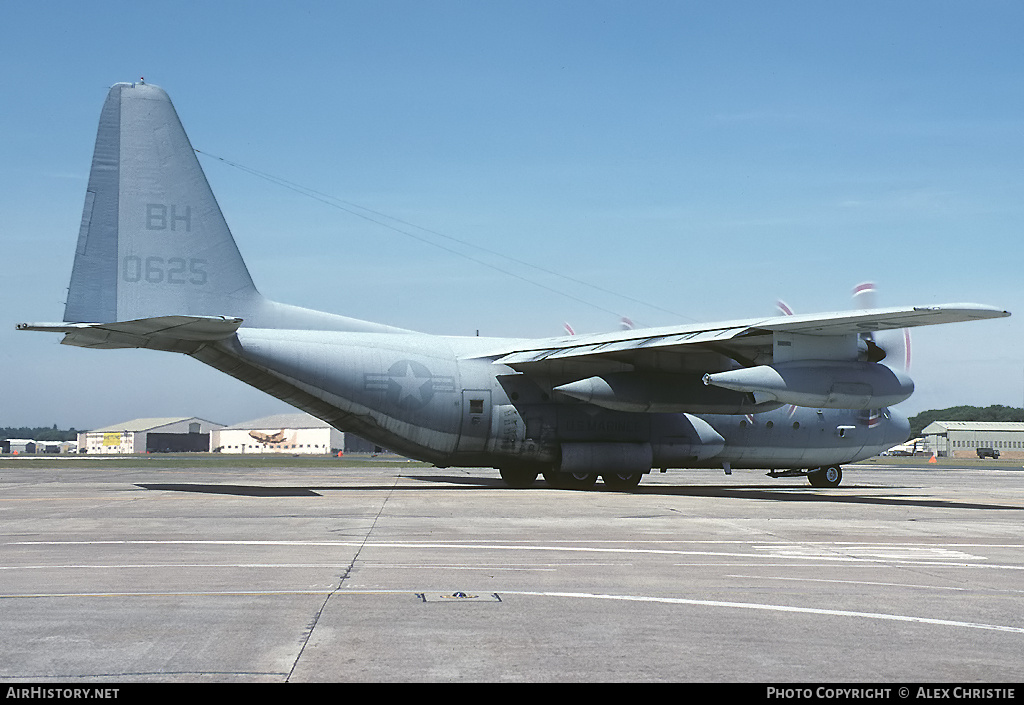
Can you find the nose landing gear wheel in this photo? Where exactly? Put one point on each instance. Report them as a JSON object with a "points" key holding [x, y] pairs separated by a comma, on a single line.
{"points": [[622, 482], [826, 477]]}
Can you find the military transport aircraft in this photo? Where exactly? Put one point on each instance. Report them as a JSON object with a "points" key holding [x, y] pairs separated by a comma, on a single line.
{"points": [[156, 267]]}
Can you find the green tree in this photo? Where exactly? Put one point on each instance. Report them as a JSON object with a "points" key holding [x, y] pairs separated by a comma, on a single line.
{"points": [[996, 412]]}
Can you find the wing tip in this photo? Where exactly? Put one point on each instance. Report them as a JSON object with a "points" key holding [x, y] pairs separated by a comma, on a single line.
{"points": [[974, 310]]}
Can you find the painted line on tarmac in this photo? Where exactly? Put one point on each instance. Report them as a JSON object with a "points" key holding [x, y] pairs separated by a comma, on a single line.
{"points": [[526, 543], [778, 552], [550, 567], [198, 593], [575, 595], [776, 608], [107, 566], [876, 584]]}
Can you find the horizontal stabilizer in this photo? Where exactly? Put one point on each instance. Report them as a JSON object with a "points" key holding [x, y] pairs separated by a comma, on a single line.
{"points": [[170, 333]]}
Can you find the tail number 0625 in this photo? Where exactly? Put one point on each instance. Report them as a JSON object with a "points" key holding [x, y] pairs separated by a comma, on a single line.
{"points": [[157, 270]]}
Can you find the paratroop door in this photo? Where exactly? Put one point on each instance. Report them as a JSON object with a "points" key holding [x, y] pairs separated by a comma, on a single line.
{"points": [[476, 420]]}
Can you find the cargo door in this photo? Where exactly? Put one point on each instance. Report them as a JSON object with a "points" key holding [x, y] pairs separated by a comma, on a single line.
{"points": [[476, 420]]}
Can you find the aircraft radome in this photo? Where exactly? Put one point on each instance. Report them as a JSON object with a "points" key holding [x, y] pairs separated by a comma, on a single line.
{"points": [[156, 267]]}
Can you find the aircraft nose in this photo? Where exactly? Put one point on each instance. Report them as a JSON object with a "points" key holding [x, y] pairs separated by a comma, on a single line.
{"points": [[898, 429]]}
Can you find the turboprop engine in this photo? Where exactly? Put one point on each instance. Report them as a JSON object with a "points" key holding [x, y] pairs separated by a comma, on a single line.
{"points": [[826, 384]]}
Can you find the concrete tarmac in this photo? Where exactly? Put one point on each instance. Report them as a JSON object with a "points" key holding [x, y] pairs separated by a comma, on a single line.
{"points": [[176, 569]]}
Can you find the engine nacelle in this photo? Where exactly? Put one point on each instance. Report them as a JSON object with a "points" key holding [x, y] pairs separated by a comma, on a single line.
{"points": [[826, 384]]}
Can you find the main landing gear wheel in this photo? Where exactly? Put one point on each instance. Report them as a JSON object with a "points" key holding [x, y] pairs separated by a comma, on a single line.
{"points": [[571, 480], [622, 482], [518, 478], [826, 477]]}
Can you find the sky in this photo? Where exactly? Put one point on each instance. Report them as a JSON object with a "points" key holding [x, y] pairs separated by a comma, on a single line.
{"points": [[509, 167]]}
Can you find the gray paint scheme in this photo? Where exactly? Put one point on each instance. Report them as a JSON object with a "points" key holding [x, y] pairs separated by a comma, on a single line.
{"points": [[157, 267]]}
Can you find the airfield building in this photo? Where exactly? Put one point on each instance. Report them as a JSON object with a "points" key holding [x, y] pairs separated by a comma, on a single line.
{"points": [[287, 433], [23, 446], [154, 435], [19, 446], [963, 439], [296, 433]]}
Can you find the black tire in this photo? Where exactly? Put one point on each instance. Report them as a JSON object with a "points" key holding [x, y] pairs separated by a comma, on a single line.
{"points": [[829, 476], [571, 480], [518, 478], [622, 482]]}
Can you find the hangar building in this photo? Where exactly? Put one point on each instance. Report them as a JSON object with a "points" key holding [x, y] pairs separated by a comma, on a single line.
{"points": [[157, 435], [961, 439], [20, 446], [17, 446], [281, 433]]}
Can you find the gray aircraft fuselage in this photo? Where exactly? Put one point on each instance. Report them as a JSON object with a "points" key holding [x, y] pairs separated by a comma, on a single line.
{"points": [[443, 400]]}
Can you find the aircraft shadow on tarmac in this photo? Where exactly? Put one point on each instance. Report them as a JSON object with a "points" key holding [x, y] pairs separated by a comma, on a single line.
{"points": [[462, 482], [754, 492], [237, 490]]}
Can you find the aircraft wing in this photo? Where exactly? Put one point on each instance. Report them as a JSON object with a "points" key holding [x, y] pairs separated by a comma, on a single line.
{"points": [[171, 333], [748, 341]]}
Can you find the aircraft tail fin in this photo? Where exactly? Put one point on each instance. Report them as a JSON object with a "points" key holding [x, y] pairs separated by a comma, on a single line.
{"points": [[153, 240]]}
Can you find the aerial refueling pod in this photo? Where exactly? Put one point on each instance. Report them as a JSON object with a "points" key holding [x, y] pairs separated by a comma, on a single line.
{"points": [[826, 384], [660, 392]]}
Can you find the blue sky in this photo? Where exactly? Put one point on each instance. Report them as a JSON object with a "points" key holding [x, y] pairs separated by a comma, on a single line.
{"points": [[703, 158]]}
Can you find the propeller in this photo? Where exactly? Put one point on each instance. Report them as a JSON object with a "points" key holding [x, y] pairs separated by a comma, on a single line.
{"points": [[624, 324], [893, 346]]}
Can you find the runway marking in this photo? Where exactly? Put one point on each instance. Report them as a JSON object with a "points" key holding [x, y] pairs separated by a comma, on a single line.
{"points": [[214, 593], [329, 566], [776, 608], [858, 582], [867, 582], [576, 595], [796, 551], [877, 551], [200, 593], [527, 542], [549, 567], [169, 565]]}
